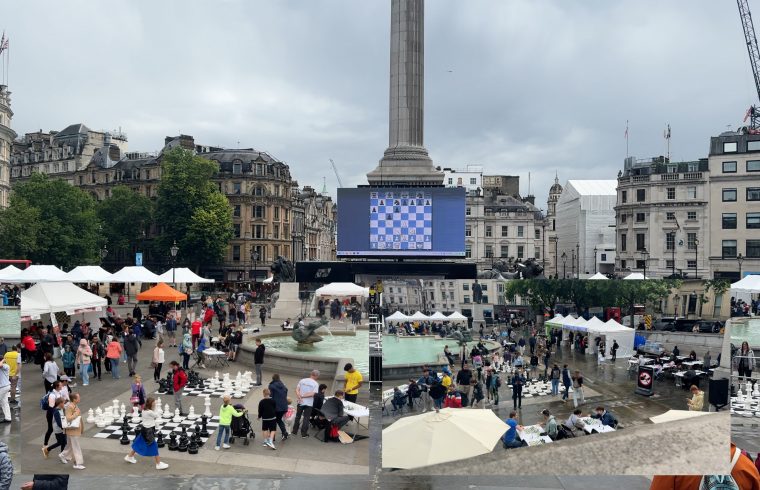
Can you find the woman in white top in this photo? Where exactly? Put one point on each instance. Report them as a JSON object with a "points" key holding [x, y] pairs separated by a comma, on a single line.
{"points": [[49, 372], [145, 443], [158, 360]]}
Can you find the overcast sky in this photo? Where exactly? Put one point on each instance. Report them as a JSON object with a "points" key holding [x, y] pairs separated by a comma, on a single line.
{"points": [[515, 86]]}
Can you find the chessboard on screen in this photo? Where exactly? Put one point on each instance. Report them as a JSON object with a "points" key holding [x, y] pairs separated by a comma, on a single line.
{"points": [[401, 220]]}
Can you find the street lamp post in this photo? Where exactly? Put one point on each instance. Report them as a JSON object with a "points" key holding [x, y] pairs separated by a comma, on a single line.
{"points": [[564, 265], [595, 251], [740, 259], [254, 259], [572, 263], [578, 258], [103, 253], [645, 253], [173, 250]]}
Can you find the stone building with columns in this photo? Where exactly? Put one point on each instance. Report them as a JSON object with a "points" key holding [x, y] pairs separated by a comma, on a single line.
{"points": [[7, 135]]}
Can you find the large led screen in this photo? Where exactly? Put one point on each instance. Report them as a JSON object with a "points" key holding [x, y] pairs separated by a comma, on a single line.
{"points": [[412, 221]]}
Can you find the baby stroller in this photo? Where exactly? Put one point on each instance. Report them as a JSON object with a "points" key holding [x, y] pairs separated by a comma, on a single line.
{"points": [[241, 427]]}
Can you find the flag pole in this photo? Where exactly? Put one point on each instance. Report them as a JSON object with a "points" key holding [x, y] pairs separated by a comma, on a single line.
{"points": [[626, 138]]}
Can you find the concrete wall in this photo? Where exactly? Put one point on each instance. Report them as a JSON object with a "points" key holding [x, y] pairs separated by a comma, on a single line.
{"points": [[699, 342]]}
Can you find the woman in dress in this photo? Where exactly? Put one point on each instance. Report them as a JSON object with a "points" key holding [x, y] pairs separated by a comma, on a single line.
{"points": [[145, 443]]}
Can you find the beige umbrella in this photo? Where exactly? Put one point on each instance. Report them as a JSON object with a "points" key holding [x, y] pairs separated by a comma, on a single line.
{"points": [[449, 435]]}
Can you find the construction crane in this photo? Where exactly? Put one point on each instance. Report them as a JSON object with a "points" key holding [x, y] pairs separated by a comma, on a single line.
{"points": [[335, 169], [753, 113]]}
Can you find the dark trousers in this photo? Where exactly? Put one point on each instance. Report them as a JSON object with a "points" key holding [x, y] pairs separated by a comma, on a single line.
{"points": [[60, 441], [157, 371], [69, 371], [185, 361], [49, 418], [743, 372], [517, 398], [351, 398], [97, 368], [48, 385], [305, 411], [567, 392], [340, 421], [281, 423]]}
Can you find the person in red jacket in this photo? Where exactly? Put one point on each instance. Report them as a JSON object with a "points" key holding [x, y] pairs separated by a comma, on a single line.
{"points": [[179, 380], [195, 330], [208, 317]]}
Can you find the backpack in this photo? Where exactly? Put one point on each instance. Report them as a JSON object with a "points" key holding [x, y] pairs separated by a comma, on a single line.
{"points": [[722, 482], [45, 401]]}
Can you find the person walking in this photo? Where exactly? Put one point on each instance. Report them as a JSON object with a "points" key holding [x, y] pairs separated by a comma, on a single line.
{"points": [[555, 376], [60, 435], [145, 443], [567, 382], [263, 315], [267, 414], [131, 347], [74, 429], [171, 330], [84, 358], [98, 353], [258, 360], [305, 391], [578, 389], [49, 371], [226, 412], [186, 348], [280, 396], [113, 356], [5, 388], [614, 350], [11, 358], [52, 395], [158, 360], [518, 380], [179, 381]]}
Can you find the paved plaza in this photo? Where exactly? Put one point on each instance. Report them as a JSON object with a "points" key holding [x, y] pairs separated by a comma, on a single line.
{"points": [[105, 456]]}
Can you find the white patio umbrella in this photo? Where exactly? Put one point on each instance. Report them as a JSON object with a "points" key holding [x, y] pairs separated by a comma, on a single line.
{"points": [[432, 438], [673, 415], [39, 273], [89, 273]]}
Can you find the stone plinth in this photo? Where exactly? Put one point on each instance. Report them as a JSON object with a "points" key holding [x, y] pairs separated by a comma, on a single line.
{"points": [[288, 304]]}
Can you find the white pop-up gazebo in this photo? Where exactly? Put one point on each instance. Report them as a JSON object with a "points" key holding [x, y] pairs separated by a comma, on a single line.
{"points": [[624, 336], [342, 290], [183, 275], [135, 273], [598, 277], [38, 273], [53, 297], [89, 274], [748, 284], [419, 316], [396, 317], [8, 272], [635, 276], [456, 317], [438, 316], [575, 324]]}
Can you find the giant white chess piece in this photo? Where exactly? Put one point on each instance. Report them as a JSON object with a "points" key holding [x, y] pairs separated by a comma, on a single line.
{"points": [[191, 414], [136, 414], [91, 416], [167, 412], [100, 419], [177, 418], [207, 403]]}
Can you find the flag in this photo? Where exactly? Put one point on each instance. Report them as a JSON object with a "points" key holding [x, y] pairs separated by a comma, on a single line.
{"points": [[3, 43], [666, 133]]}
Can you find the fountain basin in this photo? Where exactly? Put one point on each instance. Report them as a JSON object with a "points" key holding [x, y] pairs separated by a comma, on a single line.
{"points": [[404, 357]]}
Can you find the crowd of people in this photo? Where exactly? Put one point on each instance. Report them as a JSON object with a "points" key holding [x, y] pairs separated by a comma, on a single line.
{"points": [[739, 307]]}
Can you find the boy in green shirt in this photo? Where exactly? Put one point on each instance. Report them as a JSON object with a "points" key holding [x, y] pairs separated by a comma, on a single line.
{"points": [[226, 412]]}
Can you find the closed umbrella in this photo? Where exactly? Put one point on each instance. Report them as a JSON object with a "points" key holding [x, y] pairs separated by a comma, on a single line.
{"points": [[439, 437]]}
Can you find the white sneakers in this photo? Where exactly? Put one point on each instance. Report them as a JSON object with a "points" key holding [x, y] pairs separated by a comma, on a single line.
{"points": [[63, 459], [226, 446], [162, 466], [130, 459], [216, 448], [79, 466]]}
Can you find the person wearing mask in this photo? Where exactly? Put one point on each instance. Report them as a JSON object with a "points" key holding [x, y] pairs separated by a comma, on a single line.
{"points": [[73, 432], [113, 356], [145, 443]]}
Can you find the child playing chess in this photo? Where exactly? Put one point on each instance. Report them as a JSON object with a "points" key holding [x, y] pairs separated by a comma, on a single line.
{"points": [[268, 416], [226, 412]]}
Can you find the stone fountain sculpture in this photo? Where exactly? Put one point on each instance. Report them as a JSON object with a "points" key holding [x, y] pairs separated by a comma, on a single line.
{"points": [[305, 334]]}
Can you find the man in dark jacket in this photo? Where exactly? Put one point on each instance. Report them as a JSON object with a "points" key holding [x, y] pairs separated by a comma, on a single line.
{"points": [[463, 380], [518, 380], [130, 349], [47, 482], [280, 396], [333, 410], [137, 313], [258, 360]]}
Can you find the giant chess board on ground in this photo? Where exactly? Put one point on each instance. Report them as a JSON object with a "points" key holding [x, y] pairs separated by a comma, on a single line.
{"points": [[217, 387], [401, 220], [166, 428]]}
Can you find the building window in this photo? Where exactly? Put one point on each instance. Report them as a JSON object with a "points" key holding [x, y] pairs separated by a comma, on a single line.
{"points": [[520, 231], [753, 145], [236, 228], [277, 213], [237, 168], [691, 264], [691, 241], [468, 230], [467, 211], [489, 233], [753, 249], [537, 253], [504, 251], [538, 233], [670, 264], [641, 217], [468, 251], [729, 221], [753, 221], [753, 193], [236, 187], [465, 286], [473, 181], [624, 218], [520, 251], [451, 181], [729, 195], [640, 245], [670, 216], [489, 251], [259, 231], [623, 264], [671, 191], [729, 147], [466, 298], [258, 191], [729, 167], [729, 249], [753, 165], [236, 253], [691, 215], [276, 233], [505, 231], [641, 195], [236, 211], [258, 212], [691, 192], [670, 240], [640, 264], [623, 242], [624, 196]]}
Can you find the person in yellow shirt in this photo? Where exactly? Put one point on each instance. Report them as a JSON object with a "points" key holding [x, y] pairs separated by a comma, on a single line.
{"points": [[354, 381], [446, 381], [11, 359]]}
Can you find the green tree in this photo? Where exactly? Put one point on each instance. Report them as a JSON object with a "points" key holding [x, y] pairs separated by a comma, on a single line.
{"points": [[67, 233], [125, 216], [191, 210], [20, 229]]}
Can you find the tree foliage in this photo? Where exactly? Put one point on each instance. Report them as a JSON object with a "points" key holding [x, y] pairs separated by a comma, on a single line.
{"points": [[125, 216], [56, 221], [191, 210]]}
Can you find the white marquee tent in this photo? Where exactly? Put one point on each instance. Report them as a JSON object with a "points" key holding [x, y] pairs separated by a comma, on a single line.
{"points": [[39, 273], [598, 277], [438, 316], [183, 275], [396, 317], [9, 271], [555, 322], [135, 274], [748, 284], [624, 336], [89, 273], [576, 324], [418, 315], [57, 297], [342, 289], [457, 317], [634, 276]]}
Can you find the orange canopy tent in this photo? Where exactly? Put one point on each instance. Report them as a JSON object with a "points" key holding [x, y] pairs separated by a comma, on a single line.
{"points": [[161, 292]]}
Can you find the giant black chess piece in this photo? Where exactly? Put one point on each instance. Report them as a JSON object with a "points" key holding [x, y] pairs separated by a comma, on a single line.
{"points": [[204, 429], [192, 448], [172, 442], [169, 383], [197, 435], [124, 431], [182, 441], [160, 439]]}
